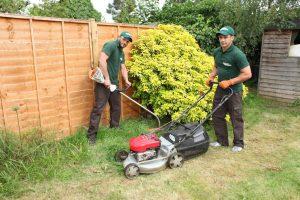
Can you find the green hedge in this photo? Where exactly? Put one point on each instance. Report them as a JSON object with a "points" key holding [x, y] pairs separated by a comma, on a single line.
{"points": [[169, 69]]}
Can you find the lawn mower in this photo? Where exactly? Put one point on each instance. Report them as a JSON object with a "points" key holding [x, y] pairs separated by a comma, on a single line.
{"points": [[178, 142]]}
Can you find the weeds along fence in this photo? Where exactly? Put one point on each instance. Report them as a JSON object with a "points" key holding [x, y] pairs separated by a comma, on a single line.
{"points": [[44, 64]]}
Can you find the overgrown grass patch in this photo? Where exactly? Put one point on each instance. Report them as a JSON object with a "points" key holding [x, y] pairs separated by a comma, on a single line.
{"points": [[36, 159]]}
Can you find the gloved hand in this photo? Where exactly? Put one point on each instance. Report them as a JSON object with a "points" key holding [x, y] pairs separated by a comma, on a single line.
{"points": [[226, 84], [209, 81], [91, 73]]}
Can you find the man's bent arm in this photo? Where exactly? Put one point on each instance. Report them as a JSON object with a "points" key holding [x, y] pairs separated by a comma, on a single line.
{"points": [[103, 65], [124, 72], [244, 75], [213, 73]]}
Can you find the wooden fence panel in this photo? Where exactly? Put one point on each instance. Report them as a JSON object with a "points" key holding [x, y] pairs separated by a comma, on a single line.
{"points": [[2, 117], [18, 86], [50, 74], [77, 61], [44, 64]]}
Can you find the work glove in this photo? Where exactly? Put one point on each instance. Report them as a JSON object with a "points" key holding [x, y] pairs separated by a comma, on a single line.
{"points": [[226, 84], [209, 81], [91, 73]]}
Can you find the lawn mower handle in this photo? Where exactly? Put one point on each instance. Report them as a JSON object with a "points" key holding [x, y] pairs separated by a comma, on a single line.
{"points": [[123, 89], [122, 92], [223, 100]]}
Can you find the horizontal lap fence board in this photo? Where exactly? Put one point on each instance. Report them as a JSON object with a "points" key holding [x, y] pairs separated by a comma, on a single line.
{"points": [[44, 64]]}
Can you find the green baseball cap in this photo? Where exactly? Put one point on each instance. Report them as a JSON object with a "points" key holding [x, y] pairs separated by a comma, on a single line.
{"points": [[126, 35], [226, 30]]}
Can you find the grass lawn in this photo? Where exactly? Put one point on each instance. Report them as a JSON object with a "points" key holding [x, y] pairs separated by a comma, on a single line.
{"points": [[268, 168]]}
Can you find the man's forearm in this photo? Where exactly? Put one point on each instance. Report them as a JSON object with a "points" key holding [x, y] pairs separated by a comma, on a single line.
{"points": [[244, 75], [213, 73], [240, 79], [103, 67], [124, 73]]}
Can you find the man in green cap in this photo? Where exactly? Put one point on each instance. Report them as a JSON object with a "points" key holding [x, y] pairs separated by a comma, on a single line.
{"points": [[111, 61], [232, 68]]}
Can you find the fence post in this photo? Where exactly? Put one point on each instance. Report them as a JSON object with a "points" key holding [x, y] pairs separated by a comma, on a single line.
{"points": [[94, 41], [3, 111], [66, 74], [35, 71]]}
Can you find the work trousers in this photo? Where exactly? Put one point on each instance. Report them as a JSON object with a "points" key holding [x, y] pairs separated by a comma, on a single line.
{"points": [[102, 96], [233, 106]]}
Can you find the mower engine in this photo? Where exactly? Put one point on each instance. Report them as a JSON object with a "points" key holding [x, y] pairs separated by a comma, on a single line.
{"points": [[144, 146], [147, 155]]}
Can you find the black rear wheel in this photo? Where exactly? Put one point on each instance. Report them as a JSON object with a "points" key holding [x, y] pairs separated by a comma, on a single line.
{"points": [[121, 155]]}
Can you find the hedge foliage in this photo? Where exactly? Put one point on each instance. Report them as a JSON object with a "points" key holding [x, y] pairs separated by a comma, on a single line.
{"points": [[200, 18], [169, 69]]}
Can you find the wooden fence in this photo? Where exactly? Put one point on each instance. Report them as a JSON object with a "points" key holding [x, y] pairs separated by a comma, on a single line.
{"points": [[44, 64]]}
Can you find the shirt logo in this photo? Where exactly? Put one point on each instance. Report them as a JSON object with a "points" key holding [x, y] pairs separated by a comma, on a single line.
{"points": [[227, 64]]}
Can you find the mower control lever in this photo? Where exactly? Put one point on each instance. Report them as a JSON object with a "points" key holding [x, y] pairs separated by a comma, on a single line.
{"points": [[124, 89], [211, 83]]}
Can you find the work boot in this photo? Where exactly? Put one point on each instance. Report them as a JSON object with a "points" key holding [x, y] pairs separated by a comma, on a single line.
{"points": [[236, 149], [92, 140], [215, 144]]}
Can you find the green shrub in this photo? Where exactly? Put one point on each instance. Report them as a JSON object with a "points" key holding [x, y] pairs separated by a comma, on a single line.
{"points": [[169, 69]]}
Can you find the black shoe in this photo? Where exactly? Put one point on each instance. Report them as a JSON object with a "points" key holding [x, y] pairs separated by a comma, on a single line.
{"points": [[92, 141]]}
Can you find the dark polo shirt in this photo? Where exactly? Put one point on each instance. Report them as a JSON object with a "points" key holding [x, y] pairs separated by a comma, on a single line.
{"points": [[229, 64], [115, 58]]}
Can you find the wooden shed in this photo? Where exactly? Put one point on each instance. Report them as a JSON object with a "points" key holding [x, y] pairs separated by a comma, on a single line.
{"points": [[279, 72]]}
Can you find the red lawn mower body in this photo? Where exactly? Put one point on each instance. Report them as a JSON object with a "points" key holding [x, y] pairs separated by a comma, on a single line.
{"points": [[144, 142]]}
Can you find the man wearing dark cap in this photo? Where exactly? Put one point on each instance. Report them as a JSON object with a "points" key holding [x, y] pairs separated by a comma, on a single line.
{"points": [[232, 68], [111, 61]]}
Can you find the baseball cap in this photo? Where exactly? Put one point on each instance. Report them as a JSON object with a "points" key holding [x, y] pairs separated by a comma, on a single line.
{"points": [[126, 35], [226, 30]]}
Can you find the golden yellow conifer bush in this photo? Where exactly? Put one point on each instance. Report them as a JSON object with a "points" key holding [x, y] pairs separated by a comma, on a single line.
{"points": [[168, 70]]}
